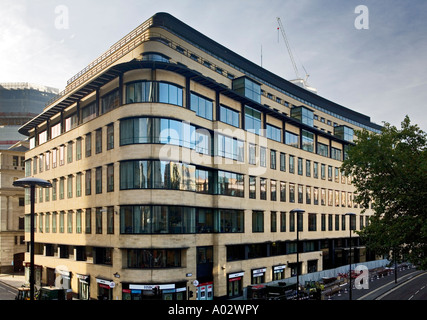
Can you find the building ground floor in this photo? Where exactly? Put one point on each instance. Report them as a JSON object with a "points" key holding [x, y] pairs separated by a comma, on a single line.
{"points": [[201, 273]]}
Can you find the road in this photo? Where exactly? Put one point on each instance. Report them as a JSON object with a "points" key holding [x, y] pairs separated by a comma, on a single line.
{"points": [[7, 292], [379, 287], [412, 289]]}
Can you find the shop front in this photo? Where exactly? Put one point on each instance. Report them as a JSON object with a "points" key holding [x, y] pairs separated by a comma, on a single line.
{"points": [[235, 284], [105, 288], [204, 291], [170, 291], [83, 286]]}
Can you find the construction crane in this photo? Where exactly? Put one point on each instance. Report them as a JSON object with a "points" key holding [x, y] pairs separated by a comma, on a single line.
{"points": [[298, 81]]}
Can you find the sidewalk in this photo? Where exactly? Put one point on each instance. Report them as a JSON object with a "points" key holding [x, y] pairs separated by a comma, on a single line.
{"points": [[13, 280]]}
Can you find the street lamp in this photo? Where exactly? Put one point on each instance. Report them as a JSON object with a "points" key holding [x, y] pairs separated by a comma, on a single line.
{"points": [[350, 214], [297, 211], [32, 183]]}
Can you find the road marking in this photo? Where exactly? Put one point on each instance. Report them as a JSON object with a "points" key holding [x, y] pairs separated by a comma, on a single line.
{"points": [[410, 297]]}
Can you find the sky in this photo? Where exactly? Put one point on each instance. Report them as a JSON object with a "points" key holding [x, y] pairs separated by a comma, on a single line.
{"points": [[367, 55]]}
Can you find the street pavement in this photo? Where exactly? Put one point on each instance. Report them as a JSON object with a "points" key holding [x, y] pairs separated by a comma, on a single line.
{"points": [[9, 284]]}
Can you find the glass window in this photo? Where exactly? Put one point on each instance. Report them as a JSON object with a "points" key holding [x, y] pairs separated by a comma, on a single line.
{"points": [[98, 141], [202, 106], [282, 161], [150, 91], [247, 88], [110, 101], [89, 112], [252, 120], [252, 187], [257, 221], [303, 114], [291, 139], [322, 149], [307, 141], [229, 147], [98, 180], [230, 184], [274, 133], [229, 116], [263, 188], [110, 136]]}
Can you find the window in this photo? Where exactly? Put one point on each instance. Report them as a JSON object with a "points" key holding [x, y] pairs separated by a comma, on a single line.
{"points": [[307, 141], [229, 116], [202, 106], [274, 133], [168, 131], [300, 193], [282, 221], [307, 168], [61, 155], [291, 192], [230, 184], [273, 159], [70, 186], [248, 88], [308, 195], [263, 156], [70, 221], [153, 258], [88, 182], [151, 91], [110, 101], [54, 158], [110, 177], [70, 152], [273, 190], [146, 174], [282, 191], [88, 145], [55, 130], [204, 181], [78, 148], [312, 222], [89, 112], [263, 188], [300, 166], [252, 154], [88, 221], [71, 122], [282, 161], [110, 136], [230, 148], [162, 219], [98, 221], [303, 114], [252, 187], [257, 221], [98, 180], [61, 188], [336, 154], [322, 149], [344, 132], [291, 139], [273, 221], [98, 141], [79, 221], [252, 120], [110, 220]]}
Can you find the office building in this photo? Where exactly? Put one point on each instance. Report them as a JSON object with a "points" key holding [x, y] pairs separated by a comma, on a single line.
{"points": [[175, 164]]}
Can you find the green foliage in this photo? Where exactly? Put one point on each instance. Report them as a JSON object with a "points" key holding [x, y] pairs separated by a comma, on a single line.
{"points": [[390, 169]]}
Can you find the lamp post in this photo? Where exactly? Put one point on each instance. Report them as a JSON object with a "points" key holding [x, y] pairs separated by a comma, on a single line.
{"points": [[350, 214], [297, 211], [32, 183]]}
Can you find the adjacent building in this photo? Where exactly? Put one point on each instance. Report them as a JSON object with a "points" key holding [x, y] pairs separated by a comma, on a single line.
{"points": [[175, 164], [12, 244]]}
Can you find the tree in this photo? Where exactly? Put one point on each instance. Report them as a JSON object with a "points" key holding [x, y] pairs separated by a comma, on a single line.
{"points": [[389, 170]]}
